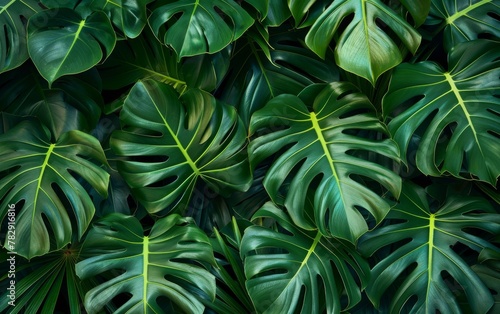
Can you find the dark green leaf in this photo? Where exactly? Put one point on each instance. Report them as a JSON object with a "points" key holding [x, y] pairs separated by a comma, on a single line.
{"points": [[65, 43], [40, 175], [191, 137], [166, 263], [457, 111]]}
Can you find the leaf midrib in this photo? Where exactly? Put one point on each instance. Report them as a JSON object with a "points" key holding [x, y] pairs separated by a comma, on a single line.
{"points": [[45, 164], [459, 14]]}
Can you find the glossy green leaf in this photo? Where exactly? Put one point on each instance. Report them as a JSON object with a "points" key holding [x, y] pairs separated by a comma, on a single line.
{"points": [[13, 17], [319, 146], [65, 43], [285, 269], [73, 102], [465, 20], [422, 262], [363, 48], [166, 263], [263, 73], [419, 9], [277, 13], [44, 176], [457, 111], [176, 141], [129, 16], [193, 27]]}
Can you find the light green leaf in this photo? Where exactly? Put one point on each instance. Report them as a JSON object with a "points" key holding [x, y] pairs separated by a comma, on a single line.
{"points": [[65, 43], [420, 265], [194, 27], [285, 269], [166, 263], [456, 110], [363, 48], [320, 146], [465, 20], [13, 45], [44, 175], [175, 141]]}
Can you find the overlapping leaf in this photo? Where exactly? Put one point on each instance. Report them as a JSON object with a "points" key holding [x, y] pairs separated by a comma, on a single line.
{"points": [[73, 102], [166, 263], [465, 20], [297, 270], [66, 43], [13, 17], [263, 73], [424, 261], [176, 141], [363, 48], [129, 16], [41, 176], [456, 109], [318, 147], [194, 27]]}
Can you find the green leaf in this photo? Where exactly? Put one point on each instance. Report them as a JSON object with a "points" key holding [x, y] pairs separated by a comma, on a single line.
{"points": [[263, 73], [44, 176], [456, 110], [138, 59], [419, 9], [73, 102], [285, 269], [319, 146], [65, 43], [129, 16], [194, 27], [13, 46], [163, 264], [176, 141], [464, 20], [363, 48], [278, 13], [427, 253]]}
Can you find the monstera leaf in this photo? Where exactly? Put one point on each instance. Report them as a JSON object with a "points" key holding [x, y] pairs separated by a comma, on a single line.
{"points": [[66, 43], [73, 102], [299, 270], [41, 176], [129, 16], [464, 20], [13, 17], [162, 264], [427, 257], [363, 48], [194, 27], [318, 146], [177, 140], [458, 108]]}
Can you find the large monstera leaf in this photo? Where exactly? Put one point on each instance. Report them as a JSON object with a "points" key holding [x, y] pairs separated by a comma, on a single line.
{"points": [[319, 146], [166, 263], [363, 48], [299, 270], [13, 45], [177, 140], [65, 43], [194, 27], [458, 107], [427, 258], [465, 20], [42, 176]]}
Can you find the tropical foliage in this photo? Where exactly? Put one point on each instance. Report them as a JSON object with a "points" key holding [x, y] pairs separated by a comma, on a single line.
{"points": [[256, 156]]}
